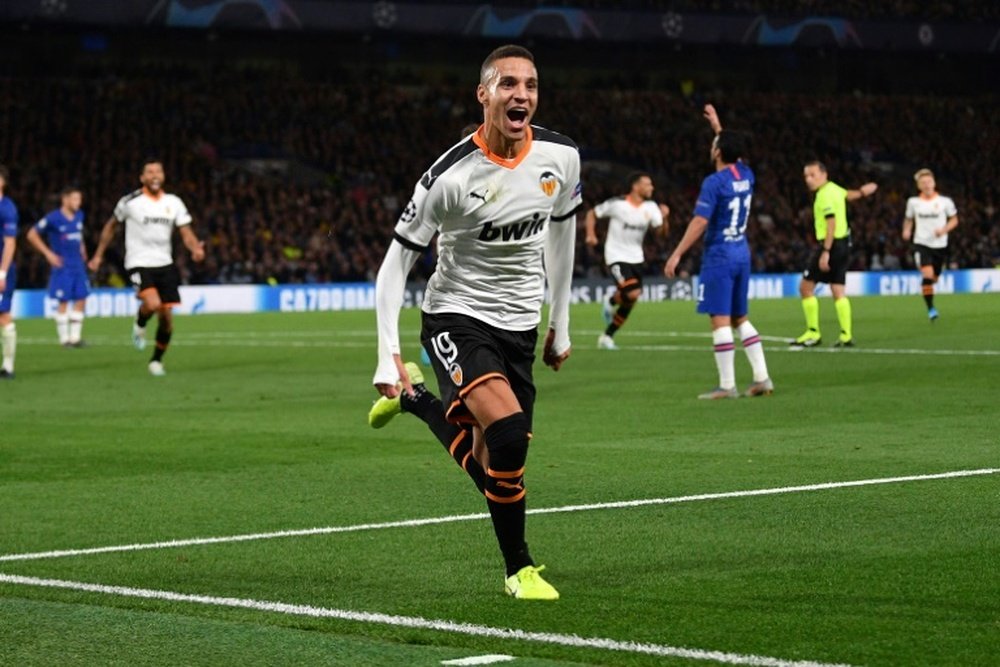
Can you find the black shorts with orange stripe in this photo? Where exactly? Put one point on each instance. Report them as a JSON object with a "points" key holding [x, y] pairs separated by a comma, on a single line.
{"points": [[627, 276], [165, 280], [466, 352]]}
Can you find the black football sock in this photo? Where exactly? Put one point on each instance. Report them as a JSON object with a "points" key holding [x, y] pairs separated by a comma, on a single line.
{"points": [[456, 440], [507, 441], [142, 318], [927, 286], [619, 319], [162, 342]]}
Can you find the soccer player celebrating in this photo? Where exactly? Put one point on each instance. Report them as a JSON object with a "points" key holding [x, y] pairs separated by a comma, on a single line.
{"points": [[721, 215], [500, 199], [67, 254], [629, 218], [8, 278], [150, 215], [829, 262], [935, 217]]}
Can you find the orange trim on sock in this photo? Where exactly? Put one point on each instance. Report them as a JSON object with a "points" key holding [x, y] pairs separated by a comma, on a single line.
{"points": [[502, 474], [465, 459], [503, 500]]}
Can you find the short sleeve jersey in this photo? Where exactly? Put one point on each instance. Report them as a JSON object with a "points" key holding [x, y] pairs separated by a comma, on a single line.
{"points": [[149, 225], [8, 220], [724, 201], [928, 215], [627, 225], [831, 199], [63, 236], [491, 214]]}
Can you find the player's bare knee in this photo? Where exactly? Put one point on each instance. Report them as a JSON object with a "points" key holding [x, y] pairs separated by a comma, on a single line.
{"points": [[507, 442], [631, 297]]}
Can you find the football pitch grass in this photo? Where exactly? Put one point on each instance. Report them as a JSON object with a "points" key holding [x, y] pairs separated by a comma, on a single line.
{"points": [[259, 432]]}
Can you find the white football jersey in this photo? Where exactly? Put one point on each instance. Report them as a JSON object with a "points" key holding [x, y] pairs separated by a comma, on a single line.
{"points": [[149, 227], [492, 214], [627, 227], [928, 215]]}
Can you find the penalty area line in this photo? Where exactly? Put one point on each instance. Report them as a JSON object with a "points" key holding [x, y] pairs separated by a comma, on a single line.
{"points": [[420, 623], [412, 523]]}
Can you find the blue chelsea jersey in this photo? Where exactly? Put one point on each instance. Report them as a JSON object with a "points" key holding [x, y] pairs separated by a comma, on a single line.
{"points": [[8, 219], [63, 236], [724, 201]]}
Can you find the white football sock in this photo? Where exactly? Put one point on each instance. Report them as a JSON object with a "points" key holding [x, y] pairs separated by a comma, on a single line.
{"points": [[725, 353], [754, 348], [8, 338], [62, 327], [75, 326]]}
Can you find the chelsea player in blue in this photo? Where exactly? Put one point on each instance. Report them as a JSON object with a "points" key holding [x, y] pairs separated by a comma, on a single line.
{"points": [[8, 277], [59, 238], [721, 215]]}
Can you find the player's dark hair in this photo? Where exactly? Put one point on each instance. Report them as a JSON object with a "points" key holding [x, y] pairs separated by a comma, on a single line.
{"points": [[634, 178], [817, 163], [505, 51], [70, 189], [151, 159], [4, 173], [732, 145]]}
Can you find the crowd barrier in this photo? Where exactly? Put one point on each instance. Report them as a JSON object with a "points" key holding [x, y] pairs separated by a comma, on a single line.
{"points": [[197, 299]]}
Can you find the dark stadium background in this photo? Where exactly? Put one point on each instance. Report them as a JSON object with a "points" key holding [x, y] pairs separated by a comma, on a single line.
{"points": [[295, 130]]}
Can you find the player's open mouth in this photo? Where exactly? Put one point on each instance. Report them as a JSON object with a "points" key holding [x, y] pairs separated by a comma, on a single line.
{"points": [[517, 116]]}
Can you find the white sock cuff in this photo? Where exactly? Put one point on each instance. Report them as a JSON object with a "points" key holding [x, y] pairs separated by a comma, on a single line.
{"points": [[61, 317], [76, 316], [10, 328], [722, 335], [747, 330]]}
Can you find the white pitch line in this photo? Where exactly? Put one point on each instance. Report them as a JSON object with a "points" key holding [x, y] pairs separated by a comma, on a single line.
{"points": [[334, 344], [418, 622], [335, 340], [822, 350], [490, 659], [411, 523]]}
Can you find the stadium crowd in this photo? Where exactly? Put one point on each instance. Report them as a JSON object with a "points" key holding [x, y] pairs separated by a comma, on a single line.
{"points": [[296, 181]]}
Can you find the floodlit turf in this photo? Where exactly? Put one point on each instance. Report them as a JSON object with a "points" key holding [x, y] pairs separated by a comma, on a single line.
{"points": [[260, 425]]}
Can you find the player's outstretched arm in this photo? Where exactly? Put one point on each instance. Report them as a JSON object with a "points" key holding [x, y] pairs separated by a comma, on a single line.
{"points": [[191, 242], [713, 118], [389, 287], [107, 236], [866, 190], [36, 241]]}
